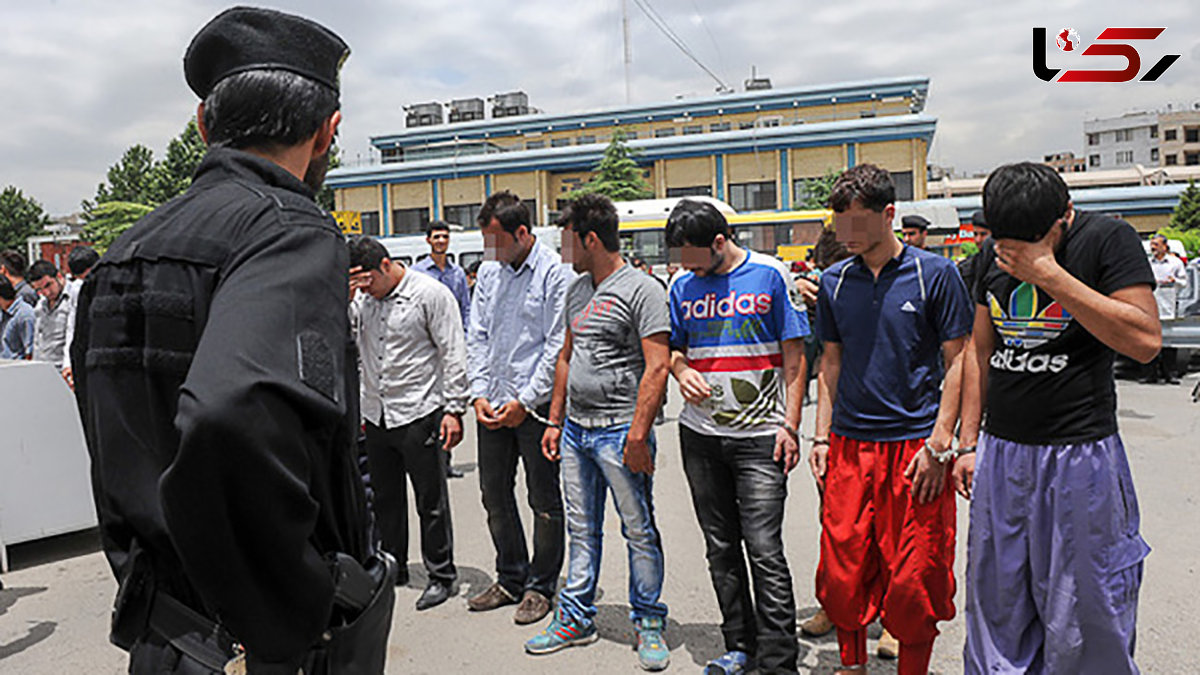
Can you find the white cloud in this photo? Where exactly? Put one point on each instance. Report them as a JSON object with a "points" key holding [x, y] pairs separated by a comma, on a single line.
{"points": [[86, 79]]}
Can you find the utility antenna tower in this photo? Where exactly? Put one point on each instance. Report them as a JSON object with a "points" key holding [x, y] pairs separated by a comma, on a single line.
{"points": [[628, 47]]}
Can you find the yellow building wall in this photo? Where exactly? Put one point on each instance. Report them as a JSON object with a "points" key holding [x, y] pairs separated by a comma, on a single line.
{"points": [[890, 155], [689, 172], [814, 162], [357, 199], [1149, 224], [411, 195], [456, 191], [751, 167], [524, 185]]}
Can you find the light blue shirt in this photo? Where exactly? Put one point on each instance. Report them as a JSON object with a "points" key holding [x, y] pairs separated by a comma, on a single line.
{"points": [[516, 328], [454, 278], [16, 330]]}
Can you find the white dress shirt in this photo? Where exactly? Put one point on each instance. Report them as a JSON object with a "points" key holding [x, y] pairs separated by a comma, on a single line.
{"points": [[411, 351]]}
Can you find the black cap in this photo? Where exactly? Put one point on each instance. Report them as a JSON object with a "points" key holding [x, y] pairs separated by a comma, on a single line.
{"points": [[977, 219], [250, 38], [919, 222]]}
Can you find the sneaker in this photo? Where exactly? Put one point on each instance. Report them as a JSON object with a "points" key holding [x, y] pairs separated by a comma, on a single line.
{"points": [[533, 608], [889, 646], [730, 663], [562, 632], [495, 596], [817, 624], [651, 647]]}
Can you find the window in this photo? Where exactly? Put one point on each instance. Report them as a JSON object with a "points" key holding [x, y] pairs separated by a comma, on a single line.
{"points": [[1123, 135], [1124, 157], [866, 114], [723, 126], [1170, 160], [530, 204], [1093, 160], [693, 129], [1153, 154], [904, 185], [1191, 158], [559, 142], [535, 145], [409, 221], [1154, 131], [370, 223], [1169, 134], [801, 191], [585, 139], [693, 191], [631, 135], [745, 125], [1093, 139], [462, 214], [664, 133], [752, 196], [1191, 135]]}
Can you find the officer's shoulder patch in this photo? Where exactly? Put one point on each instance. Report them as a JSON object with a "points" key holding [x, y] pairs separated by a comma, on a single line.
{"points": [[315, 359]]}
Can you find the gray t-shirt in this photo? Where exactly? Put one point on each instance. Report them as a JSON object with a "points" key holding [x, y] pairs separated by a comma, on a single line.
{"points": [[607, 326]]}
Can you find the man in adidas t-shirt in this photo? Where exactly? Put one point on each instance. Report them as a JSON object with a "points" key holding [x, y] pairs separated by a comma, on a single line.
{"points": [[1054, 556], [893, 318], [737, 350]]}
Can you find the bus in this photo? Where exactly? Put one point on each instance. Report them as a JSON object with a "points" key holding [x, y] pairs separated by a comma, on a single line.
{"points": [[787, 235]]}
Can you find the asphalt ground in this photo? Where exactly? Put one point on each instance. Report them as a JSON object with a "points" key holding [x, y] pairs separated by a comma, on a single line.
{"points": [[55, 605]]}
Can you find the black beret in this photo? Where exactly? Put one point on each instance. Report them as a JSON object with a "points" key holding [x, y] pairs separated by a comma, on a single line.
{"points": [[919, 222], [977, 219], [250, 38]]}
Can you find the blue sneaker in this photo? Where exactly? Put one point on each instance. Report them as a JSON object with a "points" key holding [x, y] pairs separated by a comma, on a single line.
{"points": [[562, 632], [651, 647], [730, 663]]}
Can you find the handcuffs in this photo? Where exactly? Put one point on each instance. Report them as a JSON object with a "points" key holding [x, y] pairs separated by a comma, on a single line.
{"points": [[943, 457], [949, 454]]}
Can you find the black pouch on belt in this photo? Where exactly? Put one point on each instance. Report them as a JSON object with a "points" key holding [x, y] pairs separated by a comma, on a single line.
{"points": [[356, 642]]}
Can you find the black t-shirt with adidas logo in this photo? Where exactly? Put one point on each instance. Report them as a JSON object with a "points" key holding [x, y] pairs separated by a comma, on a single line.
{"points": [[1051, 381]]}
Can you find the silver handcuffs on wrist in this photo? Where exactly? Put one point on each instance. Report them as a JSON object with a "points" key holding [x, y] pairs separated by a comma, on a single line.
{"points": [[949, 453]]}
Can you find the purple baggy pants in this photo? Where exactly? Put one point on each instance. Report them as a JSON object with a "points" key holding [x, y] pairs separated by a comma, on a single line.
{"points": [[1054, 559]]}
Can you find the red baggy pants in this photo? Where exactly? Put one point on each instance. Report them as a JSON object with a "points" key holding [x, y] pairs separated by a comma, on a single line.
{"points": [[882, 552]]}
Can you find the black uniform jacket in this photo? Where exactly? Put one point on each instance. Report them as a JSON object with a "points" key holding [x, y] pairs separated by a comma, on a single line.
{"points": [[211, 353]]}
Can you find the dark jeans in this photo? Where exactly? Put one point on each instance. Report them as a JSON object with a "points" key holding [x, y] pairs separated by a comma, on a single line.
{"points": [[738, 491], [1165, 365], [413, 450], [499, 451]]}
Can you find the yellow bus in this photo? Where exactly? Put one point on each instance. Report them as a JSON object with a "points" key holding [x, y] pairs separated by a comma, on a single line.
{"points": [[788, 235]]}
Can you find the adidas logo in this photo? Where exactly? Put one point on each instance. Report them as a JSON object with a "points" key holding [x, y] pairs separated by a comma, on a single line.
{"points": [[907, 307]]}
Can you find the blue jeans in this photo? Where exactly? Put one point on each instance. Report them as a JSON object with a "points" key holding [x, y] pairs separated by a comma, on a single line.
{"points": [[593, 464]]}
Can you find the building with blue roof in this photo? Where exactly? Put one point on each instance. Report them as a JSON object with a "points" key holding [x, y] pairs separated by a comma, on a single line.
{"points": [[753, 149]]}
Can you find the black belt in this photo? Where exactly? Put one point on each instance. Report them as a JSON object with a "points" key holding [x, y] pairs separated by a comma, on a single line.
{"points": [[192, 633]]}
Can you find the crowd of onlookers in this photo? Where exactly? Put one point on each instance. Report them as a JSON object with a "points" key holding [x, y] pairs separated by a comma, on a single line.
{"points": [[37, 307]]}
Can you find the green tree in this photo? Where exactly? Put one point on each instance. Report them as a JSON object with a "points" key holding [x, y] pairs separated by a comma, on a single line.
{"points": [[21, 217], [1189, 238], [173, 174], [325, 196], [617, 175], [1187, 212], [105, 222], [816, 191], [131, 179]]}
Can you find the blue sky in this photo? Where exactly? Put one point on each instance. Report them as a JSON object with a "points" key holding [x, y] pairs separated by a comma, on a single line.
{"points": [[85, 79]]}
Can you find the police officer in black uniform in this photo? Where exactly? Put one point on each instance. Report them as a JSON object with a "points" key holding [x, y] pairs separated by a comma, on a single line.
{"points": [[216, 382]]}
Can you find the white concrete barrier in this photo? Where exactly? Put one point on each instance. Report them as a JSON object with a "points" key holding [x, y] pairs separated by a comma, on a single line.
{"points": [[45, 486]]}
